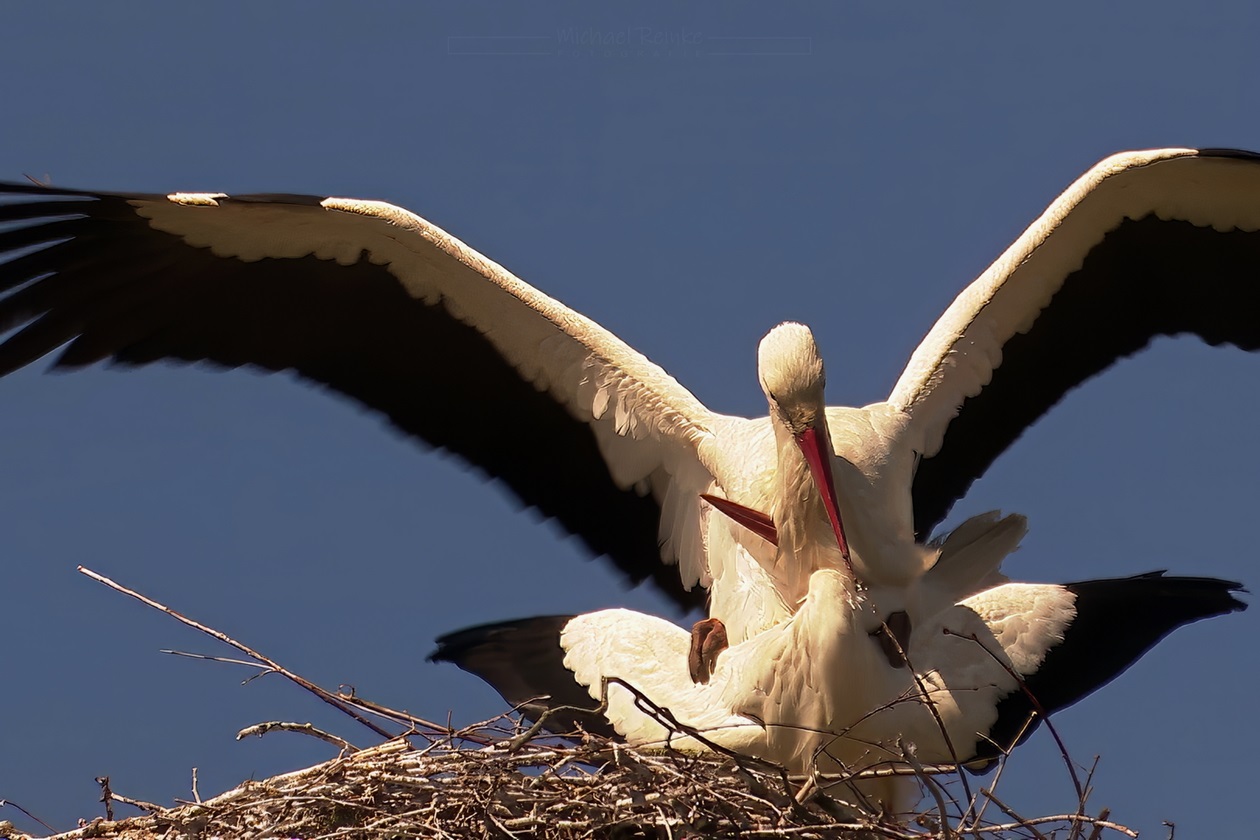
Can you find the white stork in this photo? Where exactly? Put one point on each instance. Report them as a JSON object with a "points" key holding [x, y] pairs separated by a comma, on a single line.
{"points": [[378, 304], [815, 692]]}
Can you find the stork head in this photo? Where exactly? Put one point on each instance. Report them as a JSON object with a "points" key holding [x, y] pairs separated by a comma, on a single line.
{"points": [[792, 376]]}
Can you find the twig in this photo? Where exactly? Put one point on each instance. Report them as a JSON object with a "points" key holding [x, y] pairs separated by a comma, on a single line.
{"points": [[207, 657], [1020, 821], [395, 715], [907, 752], [1078, 827], [138, 804], [106, 797], [1029, 824], [931, 704], [403, 717], [1096, 834], [807, 790], [997, 777], [12, 804], [228, 640], [261, 729], [537, 726]]}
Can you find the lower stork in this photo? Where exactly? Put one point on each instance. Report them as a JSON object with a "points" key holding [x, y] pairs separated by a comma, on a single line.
{"points": [[815, 691]]}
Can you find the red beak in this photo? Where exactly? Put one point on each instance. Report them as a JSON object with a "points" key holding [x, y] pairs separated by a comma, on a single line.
{"points": [[821, 470], [753, 520]]}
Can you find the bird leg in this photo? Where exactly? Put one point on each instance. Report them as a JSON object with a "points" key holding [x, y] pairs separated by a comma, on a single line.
{"points": [[708, 639], [754, 520], [893, 637]]}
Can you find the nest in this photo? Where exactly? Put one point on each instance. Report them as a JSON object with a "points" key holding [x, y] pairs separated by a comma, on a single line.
{"points": [[520, 785], [503, 778]]}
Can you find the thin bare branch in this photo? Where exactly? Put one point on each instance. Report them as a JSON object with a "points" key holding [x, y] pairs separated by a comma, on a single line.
{"points": [[907, 752], [10, 803], [228, 640], [1019, 821], [107, 797], [931, 704]]}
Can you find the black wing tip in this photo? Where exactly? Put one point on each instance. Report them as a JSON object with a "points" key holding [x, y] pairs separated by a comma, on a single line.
{"points": [[1212, 596], [34, 188], [1223, 152], [37, 189], [455, 647], [299, 199]]}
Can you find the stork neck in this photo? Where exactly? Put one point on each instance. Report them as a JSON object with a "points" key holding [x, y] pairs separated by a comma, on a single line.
{"points": [[798, 510], [834, 624]]}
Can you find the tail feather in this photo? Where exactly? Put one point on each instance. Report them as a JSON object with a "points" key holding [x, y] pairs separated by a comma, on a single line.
{"points": [[971, 555]]}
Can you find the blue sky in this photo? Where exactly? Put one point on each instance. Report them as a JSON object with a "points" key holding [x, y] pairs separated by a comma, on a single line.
{"points": [[704, 172]]}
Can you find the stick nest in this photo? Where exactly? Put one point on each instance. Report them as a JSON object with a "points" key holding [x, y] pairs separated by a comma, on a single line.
{"points": [[499, 779], [540, 788]]}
